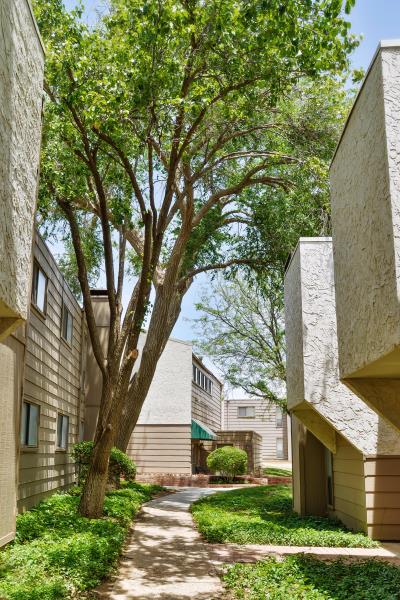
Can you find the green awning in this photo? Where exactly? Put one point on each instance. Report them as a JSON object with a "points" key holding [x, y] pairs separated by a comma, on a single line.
{"points": [[201, 431]]}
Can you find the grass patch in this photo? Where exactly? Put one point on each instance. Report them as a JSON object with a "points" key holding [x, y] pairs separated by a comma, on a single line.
{"points": [[264, 515], [301, 577], [57, 553], [277, 472]]}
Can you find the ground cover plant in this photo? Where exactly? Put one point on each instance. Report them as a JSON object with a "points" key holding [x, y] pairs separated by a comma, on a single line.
{"points": [[277, 472], [300, 577], [58, 554], [264, 515]]}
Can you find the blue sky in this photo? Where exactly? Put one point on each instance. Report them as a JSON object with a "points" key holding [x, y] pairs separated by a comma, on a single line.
{"points": [[376, 20]]}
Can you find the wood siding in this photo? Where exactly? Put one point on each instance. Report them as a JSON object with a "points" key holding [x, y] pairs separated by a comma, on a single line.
{"points": [[264, 424], [206, 407], [11, 366], [349, 486], [249, 441], [161, 449], [52, 379], [382, 487]]}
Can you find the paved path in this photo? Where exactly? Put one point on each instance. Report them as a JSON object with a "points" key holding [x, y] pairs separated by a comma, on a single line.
{"points": [[166, 558]]}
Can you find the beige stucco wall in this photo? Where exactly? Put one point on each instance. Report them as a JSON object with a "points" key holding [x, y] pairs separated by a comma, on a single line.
{"points": [[365, 194], [169, 398], [312, 358], [21, 81]]}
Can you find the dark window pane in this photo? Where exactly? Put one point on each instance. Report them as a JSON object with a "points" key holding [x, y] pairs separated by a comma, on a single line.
{"points": [[67, 325], [29, 424], [62, 431], [39, 288]]}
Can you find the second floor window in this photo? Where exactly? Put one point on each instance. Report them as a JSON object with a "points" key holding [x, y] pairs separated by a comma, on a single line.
{"points": [[202, 380], [29, 425], [39, 288], [246, 411], [62, 431], [66, 325], [279, 417]]}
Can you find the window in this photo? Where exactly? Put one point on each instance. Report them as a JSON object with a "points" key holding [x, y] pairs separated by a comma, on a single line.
{"points": [[81, 431], [39, 288], [279, 417], [279, 448], [29, 425], [202, 380], [66, 325], [248, 412], [62, 432], [329, 477]]}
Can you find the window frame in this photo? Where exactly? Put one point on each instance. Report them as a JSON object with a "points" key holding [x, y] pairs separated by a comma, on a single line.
{"points": [[24, 427], [329, 479], [278, 417], [65, 310], [60, 419], [246, 416], [201, 379], [277, 454], [37, 269]]}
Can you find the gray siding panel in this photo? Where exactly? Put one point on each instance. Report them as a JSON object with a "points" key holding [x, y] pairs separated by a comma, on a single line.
{"points": [[52, 379], [264, 423]]}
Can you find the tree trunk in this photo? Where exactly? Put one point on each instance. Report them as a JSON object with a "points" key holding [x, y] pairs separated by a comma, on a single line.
{"points": [[165, 314], [94, 491]]}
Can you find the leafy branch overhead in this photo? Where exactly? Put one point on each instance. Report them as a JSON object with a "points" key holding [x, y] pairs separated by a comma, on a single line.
{"points": [[159, 121]]}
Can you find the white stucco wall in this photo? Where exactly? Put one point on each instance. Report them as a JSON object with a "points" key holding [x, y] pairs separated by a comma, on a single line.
{"points": [[21, 79], [312, 353], [169, 398], [365, 193]]}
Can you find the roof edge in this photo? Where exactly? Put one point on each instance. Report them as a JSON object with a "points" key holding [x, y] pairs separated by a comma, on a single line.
{"points": [[395, 43], [304, 240], [28, 2]]}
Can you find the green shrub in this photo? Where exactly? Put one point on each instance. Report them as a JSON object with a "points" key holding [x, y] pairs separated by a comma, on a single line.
{"points": [[58, 554], [229, 461], [120, 464]]}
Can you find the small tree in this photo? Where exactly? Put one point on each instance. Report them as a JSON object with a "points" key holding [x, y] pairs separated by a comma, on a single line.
{"points": [[120, 465], [229, 461]]}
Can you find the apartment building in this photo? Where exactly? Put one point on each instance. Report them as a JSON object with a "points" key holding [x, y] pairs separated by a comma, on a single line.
{"points": [[182, 407], [41, 366], [337, 439], [254, 414], [21, 85], [343, 324]]}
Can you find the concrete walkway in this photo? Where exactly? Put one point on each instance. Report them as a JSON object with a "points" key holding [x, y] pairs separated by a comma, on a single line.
{"points": [[166, 558]]}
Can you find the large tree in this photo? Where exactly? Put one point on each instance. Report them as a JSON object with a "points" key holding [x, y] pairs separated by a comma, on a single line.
{"points": [[241, 326], [158, 119]]}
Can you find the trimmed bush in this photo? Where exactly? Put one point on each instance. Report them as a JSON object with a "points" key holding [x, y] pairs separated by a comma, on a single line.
{"points": [[120, 465], [229, 461]]}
